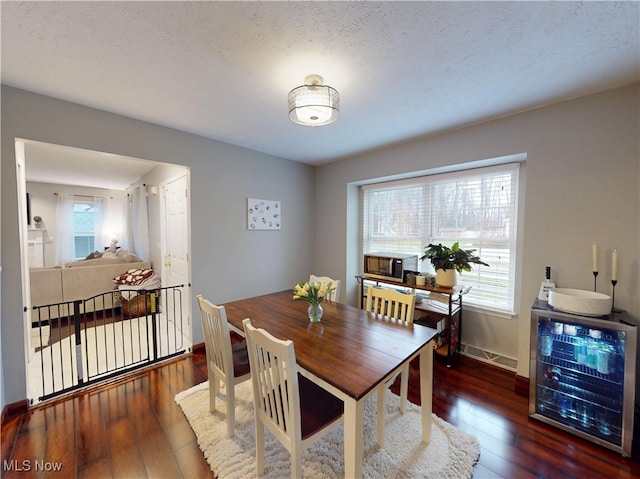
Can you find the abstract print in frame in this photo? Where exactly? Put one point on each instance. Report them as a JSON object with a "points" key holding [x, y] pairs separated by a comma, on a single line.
{"points": [[263, 214]]}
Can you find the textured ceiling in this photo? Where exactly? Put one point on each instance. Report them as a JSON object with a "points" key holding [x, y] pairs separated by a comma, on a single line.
{"points": [[403, 69]]}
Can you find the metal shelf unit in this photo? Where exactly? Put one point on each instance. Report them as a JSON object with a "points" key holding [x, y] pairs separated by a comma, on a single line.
{"points": [[439, 308]]}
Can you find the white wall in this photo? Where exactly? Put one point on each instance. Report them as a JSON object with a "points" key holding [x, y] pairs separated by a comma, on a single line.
{"points": [[581, 183], [228, 261]]}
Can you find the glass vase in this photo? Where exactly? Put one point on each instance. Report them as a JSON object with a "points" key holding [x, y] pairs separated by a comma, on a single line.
{"points": [[315, 313]]}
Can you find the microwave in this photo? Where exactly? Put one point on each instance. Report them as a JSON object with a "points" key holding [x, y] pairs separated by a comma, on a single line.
{"points": [[389, 266]]}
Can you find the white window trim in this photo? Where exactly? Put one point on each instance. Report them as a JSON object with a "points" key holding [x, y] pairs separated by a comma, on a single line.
{"points": [[463, 173]]}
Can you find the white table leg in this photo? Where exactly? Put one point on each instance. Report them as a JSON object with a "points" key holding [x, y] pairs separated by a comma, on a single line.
{"points": [[426, 389], [382, 391], [353, 438]]}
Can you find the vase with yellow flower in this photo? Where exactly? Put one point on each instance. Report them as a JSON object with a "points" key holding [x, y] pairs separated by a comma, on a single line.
{"points": [[313, 292]]}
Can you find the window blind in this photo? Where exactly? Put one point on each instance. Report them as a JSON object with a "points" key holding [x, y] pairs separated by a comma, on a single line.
{"points": [[476, 207]]}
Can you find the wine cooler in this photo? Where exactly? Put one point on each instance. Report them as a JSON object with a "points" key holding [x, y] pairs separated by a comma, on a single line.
{"points": [[582, 374]]}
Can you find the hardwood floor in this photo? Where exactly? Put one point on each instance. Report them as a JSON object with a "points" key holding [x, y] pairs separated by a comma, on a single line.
{"points": [[132, 428]]}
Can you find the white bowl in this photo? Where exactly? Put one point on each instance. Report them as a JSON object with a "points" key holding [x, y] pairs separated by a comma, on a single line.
{"points": [[578, 301]]}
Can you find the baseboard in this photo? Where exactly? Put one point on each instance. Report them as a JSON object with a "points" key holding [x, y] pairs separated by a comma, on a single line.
{"points": [[199, 348], [490, 357], [14, 409], [521, 386]]}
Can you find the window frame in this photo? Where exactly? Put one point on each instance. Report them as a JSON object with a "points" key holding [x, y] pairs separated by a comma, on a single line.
{"points": [[95, 203], [505, 268]]}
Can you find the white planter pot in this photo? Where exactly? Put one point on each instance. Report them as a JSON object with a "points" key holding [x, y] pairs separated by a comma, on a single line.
{"points": [[446, 278]]}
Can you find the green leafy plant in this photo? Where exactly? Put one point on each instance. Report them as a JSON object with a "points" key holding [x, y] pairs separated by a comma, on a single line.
{"points": [[37, 219], [454, 257]]}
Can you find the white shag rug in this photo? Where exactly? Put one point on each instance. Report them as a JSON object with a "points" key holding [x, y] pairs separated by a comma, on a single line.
{"points": [[451, 454]]}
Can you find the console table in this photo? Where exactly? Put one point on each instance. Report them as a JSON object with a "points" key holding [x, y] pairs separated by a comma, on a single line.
{"points": [[440, 308]]}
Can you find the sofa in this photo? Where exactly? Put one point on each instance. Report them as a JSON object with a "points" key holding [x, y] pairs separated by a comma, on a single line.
{"points": [[82, 279]]}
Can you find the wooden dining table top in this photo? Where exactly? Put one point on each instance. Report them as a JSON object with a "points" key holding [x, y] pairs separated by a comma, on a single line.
{"points": [[349, 348]]}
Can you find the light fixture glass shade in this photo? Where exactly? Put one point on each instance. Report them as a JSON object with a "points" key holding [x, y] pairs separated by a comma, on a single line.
{"points": [[314, 104]]}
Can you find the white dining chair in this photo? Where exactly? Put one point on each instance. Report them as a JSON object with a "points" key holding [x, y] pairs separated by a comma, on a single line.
{"points": [[227, 363], [335, 294], [399, 306], [295, 410]]}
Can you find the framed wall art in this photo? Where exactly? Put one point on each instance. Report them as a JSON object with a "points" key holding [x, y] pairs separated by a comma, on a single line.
{"points": [[263, 214]]}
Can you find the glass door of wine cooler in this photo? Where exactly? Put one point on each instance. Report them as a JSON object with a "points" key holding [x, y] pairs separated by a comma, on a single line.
{"points": [[582, 375]]}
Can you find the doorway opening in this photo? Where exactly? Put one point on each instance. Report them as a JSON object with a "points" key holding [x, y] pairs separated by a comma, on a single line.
{"points": [[140, 233]]}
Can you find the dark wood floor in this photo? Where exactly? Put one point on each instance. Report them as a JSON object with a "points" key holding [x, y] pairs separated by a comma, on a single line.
{"points": [[132, 428]]}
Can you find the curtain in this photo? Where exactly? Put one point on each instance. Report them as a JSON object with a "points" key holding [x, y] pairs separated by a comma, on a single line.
{"points": [[114, 223], [65, 250], [138, 223], [107, 221], [90, 223]]}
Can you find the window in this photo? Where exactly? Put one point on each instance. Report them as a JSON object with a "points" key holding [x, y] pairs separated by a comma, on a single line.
{"points": [[85, 214], [477, 207], [79, 225]]}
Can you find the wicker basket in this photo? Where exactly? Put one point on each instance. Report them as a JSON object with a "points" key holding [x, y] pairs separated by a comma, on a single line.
{"points": [[141, 305]]}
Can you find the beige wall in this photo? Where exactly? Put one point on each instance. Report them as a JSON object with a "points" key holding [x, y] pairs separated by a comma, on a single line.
{"points": [[581, 183]]}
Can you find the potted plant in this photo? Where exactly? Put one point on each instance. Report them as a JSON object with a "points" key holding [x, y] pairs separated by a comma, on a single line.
{"points": [[447, 260], [38, 221]]}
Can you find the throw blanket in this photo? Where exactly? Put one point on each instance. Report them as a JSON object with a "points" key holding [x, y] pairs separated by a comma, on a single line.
{"points": [[134, 280]]}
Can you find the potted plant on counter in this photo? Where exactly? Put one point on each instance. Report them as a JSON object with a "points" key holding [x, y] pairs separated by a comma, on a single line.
{"points": [[447, 260], [38, 221]]}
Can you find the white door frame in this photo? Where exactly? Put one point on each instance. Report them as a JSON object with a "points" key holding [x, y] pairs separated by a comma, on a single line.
{"points": [[165, 254], [21, 183]]}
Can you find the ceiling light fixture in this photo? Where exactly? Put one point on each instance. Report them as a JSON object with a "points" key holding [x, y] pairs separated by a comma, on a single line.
{"points": [[314, 103]]}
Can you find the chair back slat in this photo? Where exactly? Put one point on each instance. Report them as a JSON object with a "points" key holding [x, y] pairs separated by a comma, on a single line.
{"points": [[324, 280], [216, 337], [399, 306], [391, 303], [226, 364], [275, 384]]}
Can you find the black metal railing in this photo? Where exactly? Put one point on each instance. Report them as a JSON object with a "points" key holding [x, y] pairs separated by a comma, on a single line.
{"points": [[85, 341]]}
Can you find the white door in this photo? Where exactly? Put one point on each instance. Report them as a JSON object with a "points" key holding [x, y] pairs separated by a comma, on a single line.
{"points": [[176, 229], [23, 234]]}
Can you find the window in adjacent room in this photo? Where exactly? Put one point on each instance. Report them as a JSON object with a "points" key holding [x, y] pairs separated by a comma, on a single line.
{"points": [[79, 226], [476, 207], [87, 223], [86, 216]]}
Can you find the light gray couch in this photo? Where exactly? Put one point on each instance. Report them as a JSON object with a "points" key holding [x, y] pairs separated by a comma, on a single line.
{"points": [[79, 280]]}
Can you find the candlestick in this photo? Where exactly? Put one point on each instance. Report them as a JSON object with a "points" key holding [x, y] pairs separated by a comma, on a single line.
{"points": [[594, 252], [595, 277], [613, 294], [614, 265]]}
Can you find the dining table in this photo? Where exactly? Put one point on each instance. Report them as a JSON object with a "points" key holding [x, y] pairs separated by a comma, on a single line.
{"points": [[351, 353]]}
